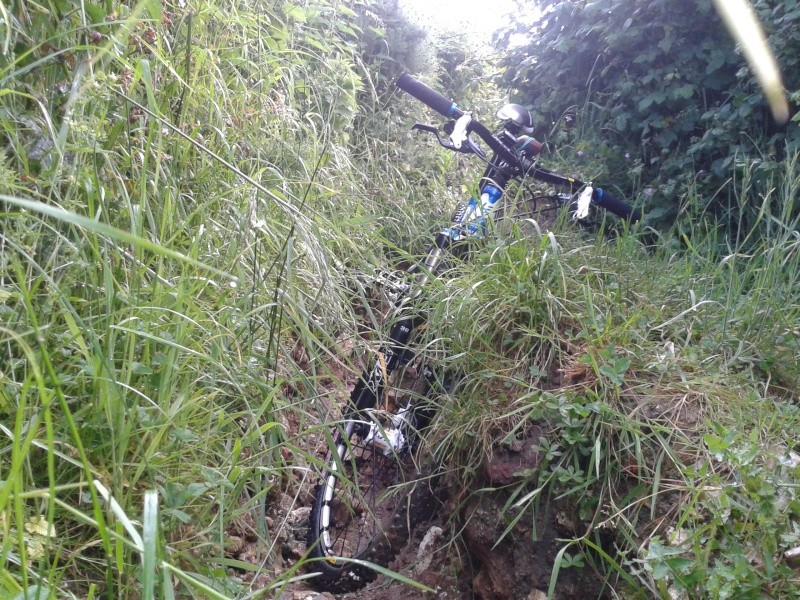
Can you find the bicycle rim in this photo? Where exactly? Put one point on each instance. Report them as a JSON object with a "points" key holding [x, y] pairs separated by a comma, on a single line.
{"points": [[543, 209], [360, 507]]}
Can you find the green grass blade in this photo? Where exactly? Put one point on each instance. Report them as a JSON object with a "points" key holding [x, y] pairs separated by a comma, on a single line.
{"points": [[111, 232], [150, 543]]}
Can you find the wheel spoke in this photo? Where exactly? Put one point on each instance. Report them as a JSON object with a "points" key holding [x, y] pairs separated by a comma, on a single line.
{"points": [[362, 486]]}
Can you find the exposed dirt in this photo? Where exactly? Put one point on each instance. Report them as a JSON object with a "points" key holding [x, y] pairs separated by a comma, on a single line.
{"points": [[462, 545], [489, 559]]}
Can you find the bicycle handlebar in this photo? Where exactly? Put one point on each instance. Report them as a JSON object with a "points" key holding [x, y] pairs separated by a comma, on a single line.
{"points": [[610, 202], [449, 109], [429, 96]]}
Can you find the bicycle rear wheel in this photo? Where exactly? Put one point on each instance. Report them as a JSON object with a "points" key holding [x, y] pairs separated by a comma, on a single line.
{"points": [[361, 507], [543, 209]]}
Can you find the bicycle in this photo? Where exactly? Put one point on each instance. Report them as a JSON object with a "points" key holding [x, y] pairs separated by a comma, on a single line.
{"points": [[358, 506]]}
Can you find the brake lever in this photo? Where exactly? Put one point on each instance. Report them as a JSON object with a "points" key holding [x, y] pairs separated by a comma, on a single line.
{"points": [[460, 128], [465, 148], [583, 203], [473, 148]]}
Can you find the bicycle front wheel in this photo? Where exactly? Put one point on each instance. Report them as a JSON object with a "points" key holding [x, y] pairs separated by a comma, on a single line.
{"points": [[361, 507]]}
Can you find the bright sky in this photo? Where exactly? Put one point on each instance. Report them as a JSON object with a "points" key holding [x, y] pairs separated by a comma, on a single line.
{"points": [[479, 17]]}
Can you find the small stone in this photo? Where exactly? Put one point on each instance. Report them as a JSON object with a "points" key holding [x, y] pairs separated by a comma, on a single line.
{"points": [[293, 549], [234, 545], [425, 551], [793, 557], [299, 516]]}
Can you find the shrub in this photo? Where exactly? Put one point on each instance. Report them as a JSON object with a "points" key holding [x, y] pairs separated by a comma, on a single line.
{"points": [[668, 91]]}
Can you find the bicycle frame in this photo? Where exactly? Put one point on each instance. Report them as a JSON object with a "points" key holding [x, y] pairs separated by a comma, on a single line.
{"points": [[361, 429], [469, 221]]}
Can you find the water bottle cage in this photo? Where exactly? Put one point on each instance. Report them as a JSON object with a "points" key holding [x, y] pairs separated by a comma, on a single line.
{"points": [[528, 147]]}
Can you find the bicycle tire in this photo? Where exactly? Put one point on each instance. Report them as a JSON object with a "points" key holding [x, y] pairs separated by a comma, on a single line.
{"points": [[361, 509], [541, 208]]}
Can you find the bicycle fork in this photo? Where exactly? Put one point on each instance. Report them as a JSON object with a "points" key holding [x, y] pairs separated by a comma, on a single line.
{"points": [[394, 354], [468, 221]]}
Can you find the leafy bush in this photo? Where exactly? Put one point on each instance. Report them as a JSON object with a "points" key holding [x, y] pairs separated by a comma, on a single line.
{"points": [[672, 102]]}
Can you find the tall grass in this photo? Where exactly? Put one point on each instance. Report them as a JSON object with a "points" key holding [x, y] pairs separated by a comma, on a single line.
{"points": [[667, 382], [191, 208], [178, 214]]}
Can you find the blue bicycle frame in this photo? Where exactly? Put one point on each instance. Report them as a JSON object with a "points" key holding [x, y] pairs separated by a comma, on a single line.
{"points": [[361, 427]]}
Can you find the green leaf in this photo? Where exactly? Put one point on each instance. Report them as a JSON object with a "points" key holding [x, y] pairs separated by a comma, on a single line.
{"points": [[348, 12], [113, 134], [147, 78], [178, 514], [154, 8], [610, 374], [716, 445], [557, 564], [295, 13], [96, 13], [36, 592], [716, 60], [138, 368], [685, 91], [315, 43], [658, 550]]}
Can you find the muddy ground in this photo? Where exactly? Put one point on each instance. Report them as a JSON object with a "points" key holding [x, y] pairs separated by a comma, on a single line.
{"points": [[463, 548], [466, 546]]}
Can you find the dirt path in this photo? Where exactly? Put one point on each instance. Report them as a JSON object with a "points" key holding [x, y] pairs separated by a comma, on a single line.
{"points": [[464, 548]]}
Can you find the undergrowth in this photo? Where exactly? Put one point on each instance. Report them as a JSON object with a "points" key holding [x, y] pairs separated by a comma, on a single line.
{"points": [[667, 382], [193, 201], [179, 214]]}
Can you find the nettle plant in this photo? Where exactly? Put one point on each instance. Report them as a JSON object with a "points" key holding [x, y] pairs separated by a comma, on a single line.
{"points": [[743, 516], [670, 98]]}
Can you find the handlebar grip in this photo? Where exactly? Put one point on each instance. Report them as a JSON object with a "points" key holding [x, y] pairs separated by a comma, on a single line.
{"points": [[615, 205], [431, 97]]}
